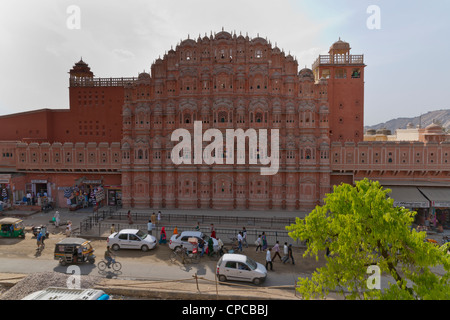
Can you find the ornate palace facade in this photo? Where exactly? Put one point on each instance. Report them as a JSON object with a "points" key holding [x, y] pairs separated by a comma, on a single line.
{"points": [[118, 131]]}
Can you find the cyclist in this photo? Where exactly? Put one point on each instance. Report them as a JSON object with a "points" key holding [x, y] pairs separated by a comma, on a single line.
{"points": [[39, 240], [108, 257]]}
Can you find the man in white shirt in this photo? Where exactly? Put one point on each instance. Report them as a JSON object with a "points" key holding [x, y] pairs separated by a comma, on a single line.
{"points": [[269, 260], [29, 198], [149, 227], [285, 252], [240, 239]]}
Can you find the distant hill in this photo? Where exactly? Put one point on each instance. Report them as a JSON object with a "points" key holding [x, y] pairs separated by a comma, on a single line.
{"points": [[441, 116]]}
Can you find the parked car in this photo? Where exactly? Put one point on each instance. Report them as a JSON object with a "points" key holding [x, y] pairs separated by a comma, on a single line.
{"points": [[241, 268], [182, 240], [131, 239]]}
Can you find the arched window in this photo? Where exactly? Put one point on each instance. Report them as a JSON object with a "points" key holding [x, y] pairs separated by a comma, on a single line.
{"points": [[308, 154], [223, 117], [187, 118]]}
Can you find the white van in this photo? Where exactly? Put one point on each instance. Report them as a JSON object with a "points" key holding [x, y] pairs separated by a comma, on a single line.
{"points": [[241, 268]]}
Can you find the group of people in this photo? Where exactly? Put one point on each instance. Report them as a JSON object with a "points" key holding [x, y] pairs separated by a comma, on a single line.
{"points": [[428, 224], [261, 245], [57, 220], [31, 199], [154, 221]]}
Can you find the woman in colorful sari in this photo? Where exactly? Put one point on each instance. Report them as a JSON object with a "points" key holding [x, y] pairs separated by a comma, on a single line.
{"points": [[163, 237], [210, 247], [264, 241]]}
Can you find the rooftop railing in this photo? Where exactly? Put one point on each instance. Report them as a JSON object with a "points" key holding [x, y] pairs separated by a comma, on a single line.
{"points": [[339, 59], [100, 82]]}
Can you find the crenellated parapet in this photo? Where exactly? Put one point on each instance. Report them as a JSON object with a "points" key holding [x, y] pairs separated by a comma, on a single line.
{"points": [[409, 156], [66, 157]]}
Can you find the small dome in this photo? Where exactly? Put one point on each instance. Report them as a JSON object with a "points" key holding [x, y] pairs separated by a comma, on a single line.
{"points": [[144, 76], [306, 73], [260, 40], [434, 128], [340, 46], [223, 35]]}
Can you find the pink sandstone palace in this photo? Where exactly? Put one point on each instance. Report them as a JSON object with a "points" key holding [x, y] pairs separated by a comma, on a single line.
{"points": [[117, 134]]}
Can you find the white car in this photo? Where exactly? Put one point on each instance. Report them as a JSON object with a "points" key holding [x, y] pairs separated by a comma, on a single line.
{"points": [[240, 267], [182, 240], [131, 239]]}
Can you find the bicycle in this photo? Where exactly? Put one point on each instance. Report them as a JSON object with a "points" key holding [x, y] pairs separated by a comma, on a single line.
{"points": [[41, 247], [177, 254], [181, 254], [234, 245], [116, 266]]}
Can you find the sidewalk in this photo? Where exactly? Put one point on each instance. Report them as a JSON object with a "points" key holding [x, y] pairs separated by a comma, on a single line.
{"points": [[229, 213]]}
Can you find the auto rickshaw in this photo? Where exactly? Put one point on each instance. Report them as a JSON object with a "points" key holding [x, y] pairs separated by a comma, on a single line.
{"points": [[12, 228], [74, 251]]}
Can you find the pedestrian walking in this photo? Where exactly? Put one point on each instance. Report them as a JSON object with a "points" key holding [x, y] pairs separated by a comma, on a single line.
{"points": [[44, 232], [244, 236], [289, 255], [56, 219], [69, 228], [264, 241], [150, 227], [285, 252], [210, 247], [220, 244], [159, 217], [175, 230], [153, 218], [163, 236], [113, 228], [197, 227], [130, 220], [201, 246], [269, 260], [258, 243], [213, 231], [240, 238], [276, 249], [39, 239]]}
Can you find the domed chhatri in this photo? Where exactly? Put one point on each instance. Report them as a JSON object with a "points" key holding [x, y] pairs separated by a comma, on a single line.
{"points": [[143, 76], [81, 69], [340, 46]]}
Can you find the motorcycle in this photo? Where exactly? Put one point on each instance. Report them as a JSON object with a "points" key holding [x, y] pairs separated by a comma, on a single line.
{"points": [[445, 239], [47, 207], [36, 231]]}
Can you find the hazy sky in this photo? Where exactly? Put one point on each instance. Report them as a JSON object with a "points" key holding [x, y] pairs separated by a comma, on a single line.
{"points": [[408, 58]]}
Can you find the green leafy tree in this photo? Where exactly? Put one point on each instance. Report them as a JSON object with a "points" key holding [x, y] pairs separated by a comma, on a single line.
{"points": [[358, 227]]}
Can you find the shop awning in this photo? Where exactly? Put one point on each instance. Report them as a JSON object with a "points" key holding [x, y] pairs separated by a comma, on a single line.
{"points": [[439, 197], [408, 197]]}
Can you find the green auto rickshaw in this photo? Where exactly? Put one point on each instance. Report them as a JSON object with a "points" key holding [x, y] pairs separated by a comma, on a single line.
{"points": [[12, 228]]}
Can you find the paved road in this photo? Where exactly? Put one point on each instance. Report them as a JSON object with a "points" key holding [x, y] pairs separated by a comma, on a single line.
{"points": [[132, 270], [18, 256]]}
